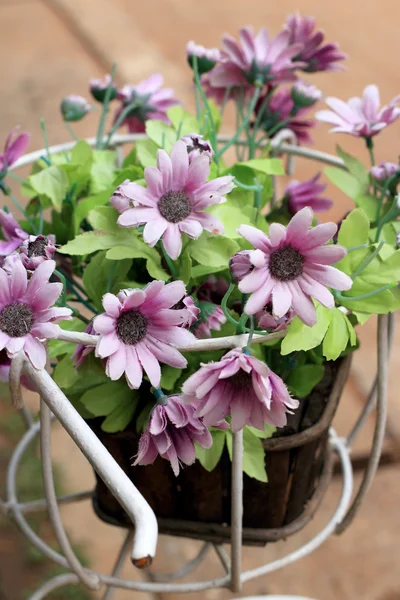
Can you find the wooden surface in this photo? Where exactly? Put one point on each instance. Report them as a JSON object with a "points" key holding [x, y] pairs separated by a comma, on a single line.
{"points": [[50, 48]]}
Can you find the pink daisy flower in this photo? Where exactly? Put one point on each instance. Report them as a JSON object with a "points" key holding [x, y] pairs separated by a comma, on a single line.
{"points": [[36, 249], [267, 320], [174, 199], [13, 149], [296, 267], [151, 102], [27, 314], [172, 430], [12, 233], [196, 146], [213, 320], [192, 311], [361, 117], [137, 331], [205, 57], [241, 386], [254, 57], [316, 55], [307, 193]]}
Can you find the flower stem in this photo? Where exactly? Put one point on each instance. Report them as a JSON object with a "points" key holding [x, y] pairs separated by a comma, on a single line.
{"points": [[224, 303], [104, 109], [169, 262], [45, 139], [159, 395], [64, 284], [72, 284], [251, 333], [370, 145], [20, 208], [244, 124], [364, 264], [213, 133], [71, 131], [365, 296], [118, 122]]}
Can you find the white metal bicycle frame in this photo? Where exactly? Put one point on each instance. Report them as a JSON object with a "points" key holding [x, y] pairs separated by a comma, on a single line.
{"points": [[141, 540]]}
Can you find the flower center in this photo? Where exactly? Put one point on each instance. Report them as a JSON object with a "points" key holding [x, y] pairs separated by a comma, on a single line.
{"points": [[241, 380], [131, 327], [16, 320], [178, 305], [174, 206], [37, 247], [286, 264]]}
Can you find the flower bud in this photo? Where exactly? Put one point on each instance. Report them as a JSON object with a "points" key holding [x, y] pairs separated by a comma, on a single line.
{"points": [[384, 171], [206, 57], [305, 95], [240, 265], [98, 88], [196, 146], [74, 108]]}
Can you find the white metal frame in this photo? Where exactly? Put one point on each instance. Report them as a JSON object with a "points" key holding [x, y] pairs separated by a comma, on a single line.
{"points": [[142, 539]]}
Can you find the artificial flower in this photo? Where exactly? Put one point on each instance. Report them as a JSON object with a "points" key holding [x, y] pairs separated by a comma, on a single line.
{"points": [[172, 430], [212, 320], [12, 233], [242, 263], [306, 193], [27, 314], [360, 116], [192, 311], [149, 100], [5, 364], [255, 58], [98, 88], [206, 58], [267, 320], [314, 54], [81, 351], [241, 386], [137, 331], [296, 267], [13, 149], [384, 170], [174, 199], [305, 95], [74, 108], [196, 146], [36, 249], [279, 112]]}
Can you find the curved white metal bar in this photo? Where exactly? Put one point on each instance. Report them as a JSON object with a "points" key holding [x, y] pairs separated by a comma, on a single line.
{"points": [[237, 511], [380, 424], [54, 584], [15, 380], [123, 553], [38, 505], [186, 569], [121, 486], [90, 580], [340, 447], [371, 400], [221, 343]]}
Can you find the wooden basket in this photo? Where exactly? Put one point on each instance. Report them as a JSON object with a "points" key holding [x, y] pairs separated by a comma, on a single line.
{"points": [[196, 504]]}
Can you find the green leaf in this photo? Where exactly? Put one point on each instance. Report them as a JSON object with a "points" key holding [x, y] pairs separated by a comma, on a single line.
{"points": [[231, 217], [303, 379], [102, 275], [102, 171], [146, 152], [138, 249], [182, 121], [184, 267], [104, 218], [169, 377], [65, 375], [344, 181], [355, 167], [268, 166], [161, 134], [58, 347], [354, 230], [213, 250], [369, 205], [201, 270], [210, 457], [104, 399], [90, 241], [52, 183], [131, 172], [120, 417], [88, 204], [268, 432], [301, 337], [253, 454], [89, 375]]}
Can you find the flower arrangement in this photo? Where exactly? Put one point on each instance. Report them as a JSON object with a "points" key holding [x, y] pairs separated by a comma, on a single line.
{"points": [[178, 241]]}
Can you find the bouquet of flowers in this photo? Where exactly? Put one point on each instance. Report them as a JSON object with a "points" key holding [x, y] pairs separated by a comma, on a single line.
{"points": [[206, 303]]}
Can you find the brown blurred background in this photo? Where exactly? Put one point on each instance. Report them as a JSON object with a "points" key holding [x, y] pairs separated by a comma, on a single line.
{"points": [[50, 48]]}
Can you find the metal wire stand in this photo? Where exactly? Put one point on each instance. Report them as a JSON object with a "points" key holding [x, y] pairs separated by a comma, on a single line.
{"points": [[141, 540]]}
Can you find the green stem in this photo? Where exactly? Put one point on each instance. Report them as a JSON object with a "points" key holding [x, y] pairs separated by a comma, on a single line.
{"points": [[364, 264], [213, 133], [111, 275], [244, 124], [391, 214], [169, 262], [224, 303], [340, 296], [257, 198], [159, 395], [277, 127], [71, 131], [383, 194], [118, 122], [241, 326], [22, 210], [14, 176], [353, 248], [104, 109], [46, 141], [370, 145], [71, 284], [251, 333], [64, 284]]}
